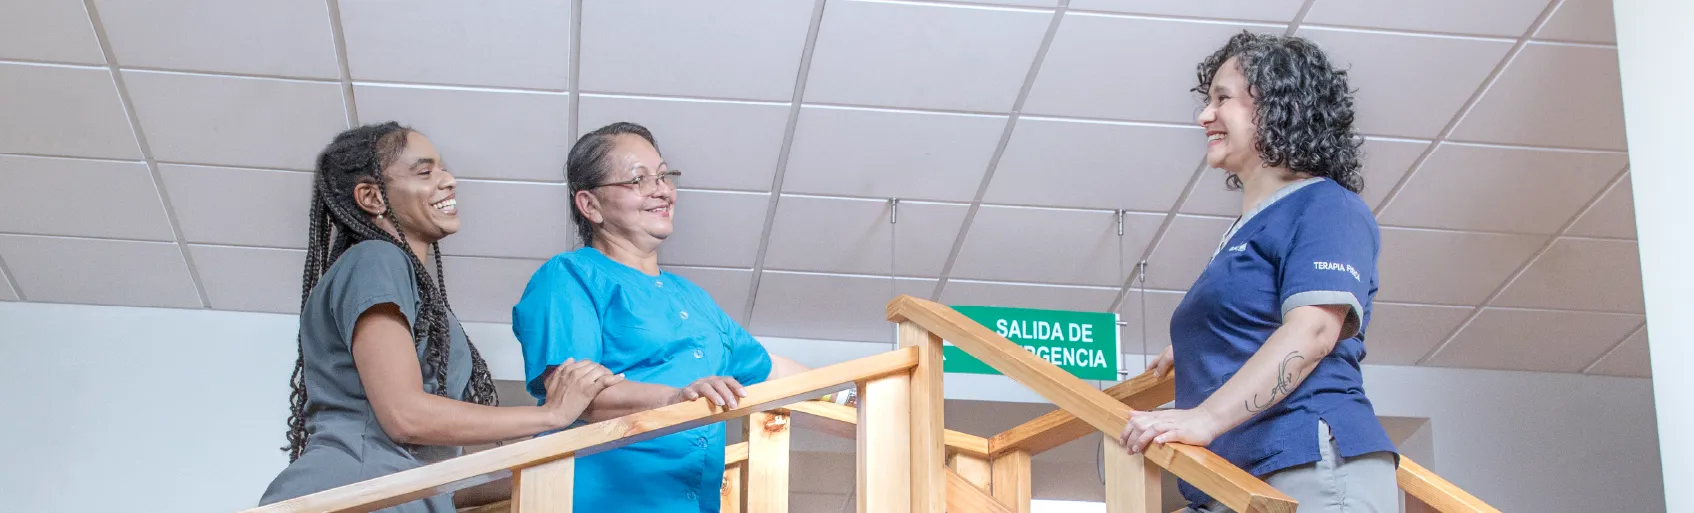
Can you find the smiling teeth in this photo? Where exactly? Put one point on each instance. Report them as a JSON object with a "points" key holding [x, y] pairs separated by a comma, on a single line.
{"points": [[443, 204], [1215, 137]]}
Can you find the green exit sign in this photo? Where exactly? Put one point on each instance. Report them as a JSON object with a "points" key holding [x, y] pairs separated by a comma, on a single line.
{"points": [[1084, 344]]}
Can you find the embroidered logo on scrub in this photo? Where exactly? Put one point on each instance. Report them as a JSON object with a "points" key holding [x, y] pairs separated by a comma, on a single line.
{"points": [[1337, 266], [1239, 248]]}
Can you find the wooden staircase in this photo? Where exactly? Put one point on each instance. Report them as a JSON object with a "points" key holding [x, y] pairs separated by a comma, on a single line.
{"points": [[907, 461]]}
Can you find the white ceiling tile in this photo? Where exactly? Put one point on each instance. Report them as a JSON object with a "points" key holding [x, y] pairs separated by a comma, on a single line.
{"points": [[248, 207], [49, 31], [1630, 359], [1391, 74], [6, 292], [1016, 3], [485, 289], [1490, 188], [1451, 268], [855, 307], [852, 236], [1023, 295], [57, 110], [728, 287], [1492, 18], [1582, 21], [1535, 340], [1038, 245], [1257, 10], [1581, 274], [1612, 216], [1185, 250], [721, 145], [519, 43], [504, 219], [281, 38], [100, 272], [923, 56], [746, 49], [250, 279], [480, 133], [1403, 334], [118, 199], [236, 121], [875, 153], [1127, 68], [1552, 95], [1152, 315], [719, 229], [1084, 164], [1385, 162]]}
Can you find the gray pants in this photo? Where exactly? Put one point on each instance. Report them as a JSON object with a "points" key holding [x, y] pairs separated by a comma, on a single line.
{"points": [[1361, 484]]}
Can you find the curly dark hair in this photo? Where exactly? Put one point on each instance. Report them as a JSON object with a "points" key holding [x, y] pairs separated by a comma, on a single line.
{"points": [[1305, 109], [586, 165], [336, 223]]}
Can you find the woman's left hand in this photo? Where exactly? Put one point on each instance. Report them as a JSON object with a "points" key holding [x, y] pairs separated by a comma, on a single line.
{"points": [[1192, 427]]}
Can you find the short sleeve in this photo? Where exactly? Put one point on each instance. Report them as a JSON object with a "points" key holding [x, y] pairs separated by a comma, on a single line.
{"points": [[368, 274], [1331, 260], [749, 363], [555, 320]]}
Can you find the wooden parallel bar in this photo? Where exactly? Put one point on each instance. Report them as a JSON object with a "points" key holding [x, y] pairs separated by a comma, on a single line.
{"points": [[545, 488], [734, 456], [1436, 492], [1132, 485], [1012, 480], [735, 453], [767, 463], [965, 497], [840, 421], [1214, 475], [1059, 427], [481, 467], [928, 426], [885, 443]]}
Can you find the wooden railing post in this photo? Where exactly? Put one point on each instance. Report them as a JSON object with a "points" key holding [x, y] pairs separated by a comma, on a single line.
{"points": [[929, 471], [544, 488], [973, 468], [885, 444], [1011, 480], [1132, 485], [767, 463]]}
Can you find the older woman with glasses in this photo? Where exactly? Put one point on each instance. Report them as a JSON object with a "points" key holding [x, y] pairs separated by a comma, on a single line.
{"points": [[609, 302]]}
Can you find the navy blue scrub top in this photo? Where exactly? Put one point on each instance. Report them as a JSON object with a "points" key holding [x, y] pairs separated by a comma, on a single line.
{"points": [[1311, 243], [654, 329]]}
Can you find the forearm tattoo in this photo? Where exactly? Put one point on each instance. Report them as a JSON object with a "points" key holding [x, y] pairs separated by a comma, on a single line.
{"points": [[1284, 385]]}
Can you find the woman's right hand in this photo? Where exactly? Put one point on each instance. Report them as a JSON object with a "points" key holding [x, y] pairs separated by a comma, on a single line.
{"points": [[1162, 365], [723, 391], [572, 385]]}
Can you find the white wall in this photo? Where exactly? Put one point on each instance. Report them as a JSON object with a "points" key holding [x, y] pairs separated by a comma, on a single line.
{"points": [[133, 409], [1654, 42]]}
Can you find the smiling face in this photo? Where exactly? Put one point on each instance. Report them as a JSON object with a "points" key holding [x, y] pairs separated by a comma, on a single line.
{"points": [[1232, 135], [622, 210], [421, 192]]}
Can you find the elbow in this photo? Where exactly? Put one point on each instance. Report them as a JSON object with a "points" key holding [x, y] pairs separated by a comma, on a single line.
{"points": [[404, 427]]}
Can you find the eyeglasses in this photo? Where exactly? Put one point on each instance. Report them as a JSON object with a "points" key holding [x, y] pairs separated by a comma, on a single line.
{"points": [[647, 184]]}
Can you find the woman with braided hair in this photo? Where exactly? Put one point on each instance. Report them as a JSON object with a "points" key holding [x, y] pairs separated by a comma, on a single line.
{"points": [[385, 379]]}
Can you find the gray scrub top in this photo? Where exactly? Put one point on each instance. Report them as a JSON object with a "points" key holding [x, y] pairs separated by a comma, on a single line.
{"points": [[346, 444]]}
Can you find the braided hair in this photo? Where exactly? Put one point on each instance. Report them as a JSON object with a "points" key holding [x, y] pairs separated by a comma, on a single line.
{"points": [[335, 224]]}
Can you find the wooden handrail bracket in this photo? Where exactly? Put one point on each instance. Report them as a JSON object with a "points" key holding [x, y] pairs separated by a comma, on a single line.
{"points": [[481, 467], [1212, 474], [1059, 427]]}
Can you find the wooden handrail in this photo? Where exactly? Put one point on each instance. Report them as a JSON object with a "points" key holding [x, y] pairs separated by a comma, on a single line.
{"points": [[1219, 478], [1438, 493], [499, 462], [1059, 427], [841, 421]]}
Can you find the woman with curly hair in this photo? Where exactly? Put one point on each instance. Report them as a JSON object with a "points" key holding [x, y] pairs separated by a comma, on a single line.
{"points": [[1268, 341]]}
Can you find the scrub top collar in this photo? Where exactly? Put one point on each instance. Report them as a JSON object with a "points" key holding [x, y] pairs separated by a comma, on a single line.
{"points": [[1279, 194], [589, 250]]}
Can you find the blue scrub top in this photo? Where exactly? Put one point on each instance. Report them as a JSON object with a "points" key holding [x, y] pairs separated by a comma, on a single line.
{"points": [[654, 329], [1311, 243]]}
